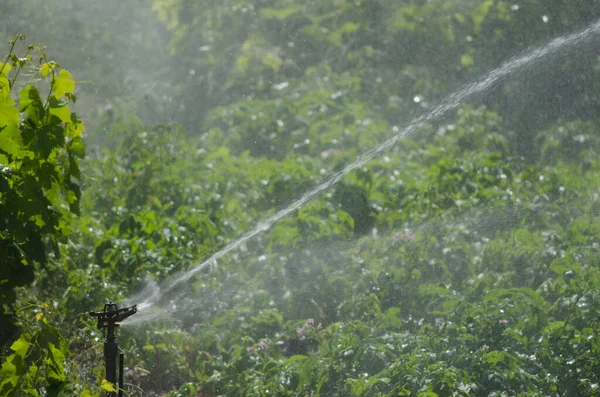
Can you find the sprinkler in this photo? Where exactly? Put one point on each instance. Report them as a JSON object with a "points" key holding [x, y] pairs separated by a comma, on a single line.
{"points": [[110, 318]]}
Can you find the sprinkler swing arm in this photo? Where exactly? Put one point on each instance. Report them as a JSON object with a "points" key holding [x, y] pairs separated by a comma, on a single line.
{"points": [[110, 318]]}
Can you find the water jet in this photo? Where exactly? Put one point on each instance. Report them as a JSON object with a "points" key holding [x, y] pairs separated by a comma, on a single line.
{"points": [[446, 105]]}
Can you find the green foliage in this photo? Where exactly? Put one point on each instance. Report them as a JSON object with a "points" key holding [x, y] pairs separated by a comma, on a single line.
{"points": [[401, 56], [462, 261], [40, 361], [39, 156], [479, 297]]}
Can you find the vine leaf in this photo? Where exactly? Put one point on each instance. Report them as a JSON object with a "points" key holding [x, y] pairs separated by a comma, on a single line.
{"points": [[21, 345], [108, 386], [63, 84]]}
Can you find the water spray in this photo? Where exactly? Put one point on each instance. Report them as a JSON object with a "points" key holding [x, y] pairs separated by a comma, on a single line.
{"points": [[110, 318], [449, 103]]}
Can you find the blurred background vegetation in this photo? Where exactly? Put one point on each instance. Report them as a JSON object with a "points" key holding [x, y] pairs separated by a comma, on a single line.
{"points": [[461, 262]]}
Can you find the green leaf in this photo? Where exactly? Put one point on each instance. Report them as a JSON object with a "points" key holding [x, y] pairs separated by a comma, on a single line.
{"points": [[336, 36], [9, 114], [295, 358], [74, 169], [108, 386], [10, 137], [480, 13], [149, 348], [55, 368], [6, 68], [30, 102], [74, 197], [46, 68], [243, 63], [63, 84], [28, 95], [21, 345], [391, 319], [8, 385], [62, 112], [273, 13], [466, 60], [271, 60], [75, 128], [561, 266], [5, 92], [406, 19]]}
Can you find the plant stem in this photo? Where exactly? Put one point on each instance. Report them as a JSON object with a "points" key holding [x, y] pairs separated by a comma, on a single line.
{"points": [[19, 69], [10, 52]]}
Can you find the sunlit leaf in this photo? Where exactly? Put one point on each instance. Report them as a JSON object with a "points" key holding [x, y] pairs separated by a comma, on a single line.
{"points": [[271, 60], [336, 36], [46, 68], [6, 68], [273, 13], [77, 148], [21, 345], [62, 112], [10, 137], [108, 386], [63, 84], [466, 60], [480, 13]]}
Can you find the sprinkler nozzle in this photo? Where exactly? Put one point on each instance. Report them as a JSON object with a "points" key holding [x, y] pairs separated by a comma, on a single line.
{"points": [[111, 316]]}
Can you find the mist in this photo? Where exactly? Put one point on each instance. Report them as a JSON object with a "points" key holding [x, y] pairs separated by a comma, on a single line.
{"points": [[317, 198]]}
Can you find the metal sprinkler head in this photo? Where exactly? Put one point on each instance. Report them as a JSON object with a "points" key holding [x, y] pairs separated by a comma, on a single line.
{"points": [[110, 318]]}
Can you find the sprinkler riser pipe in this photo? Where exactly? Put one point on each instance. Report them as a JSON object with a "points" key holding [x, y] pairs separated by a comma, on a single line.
{"points": [[111, 351]]}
